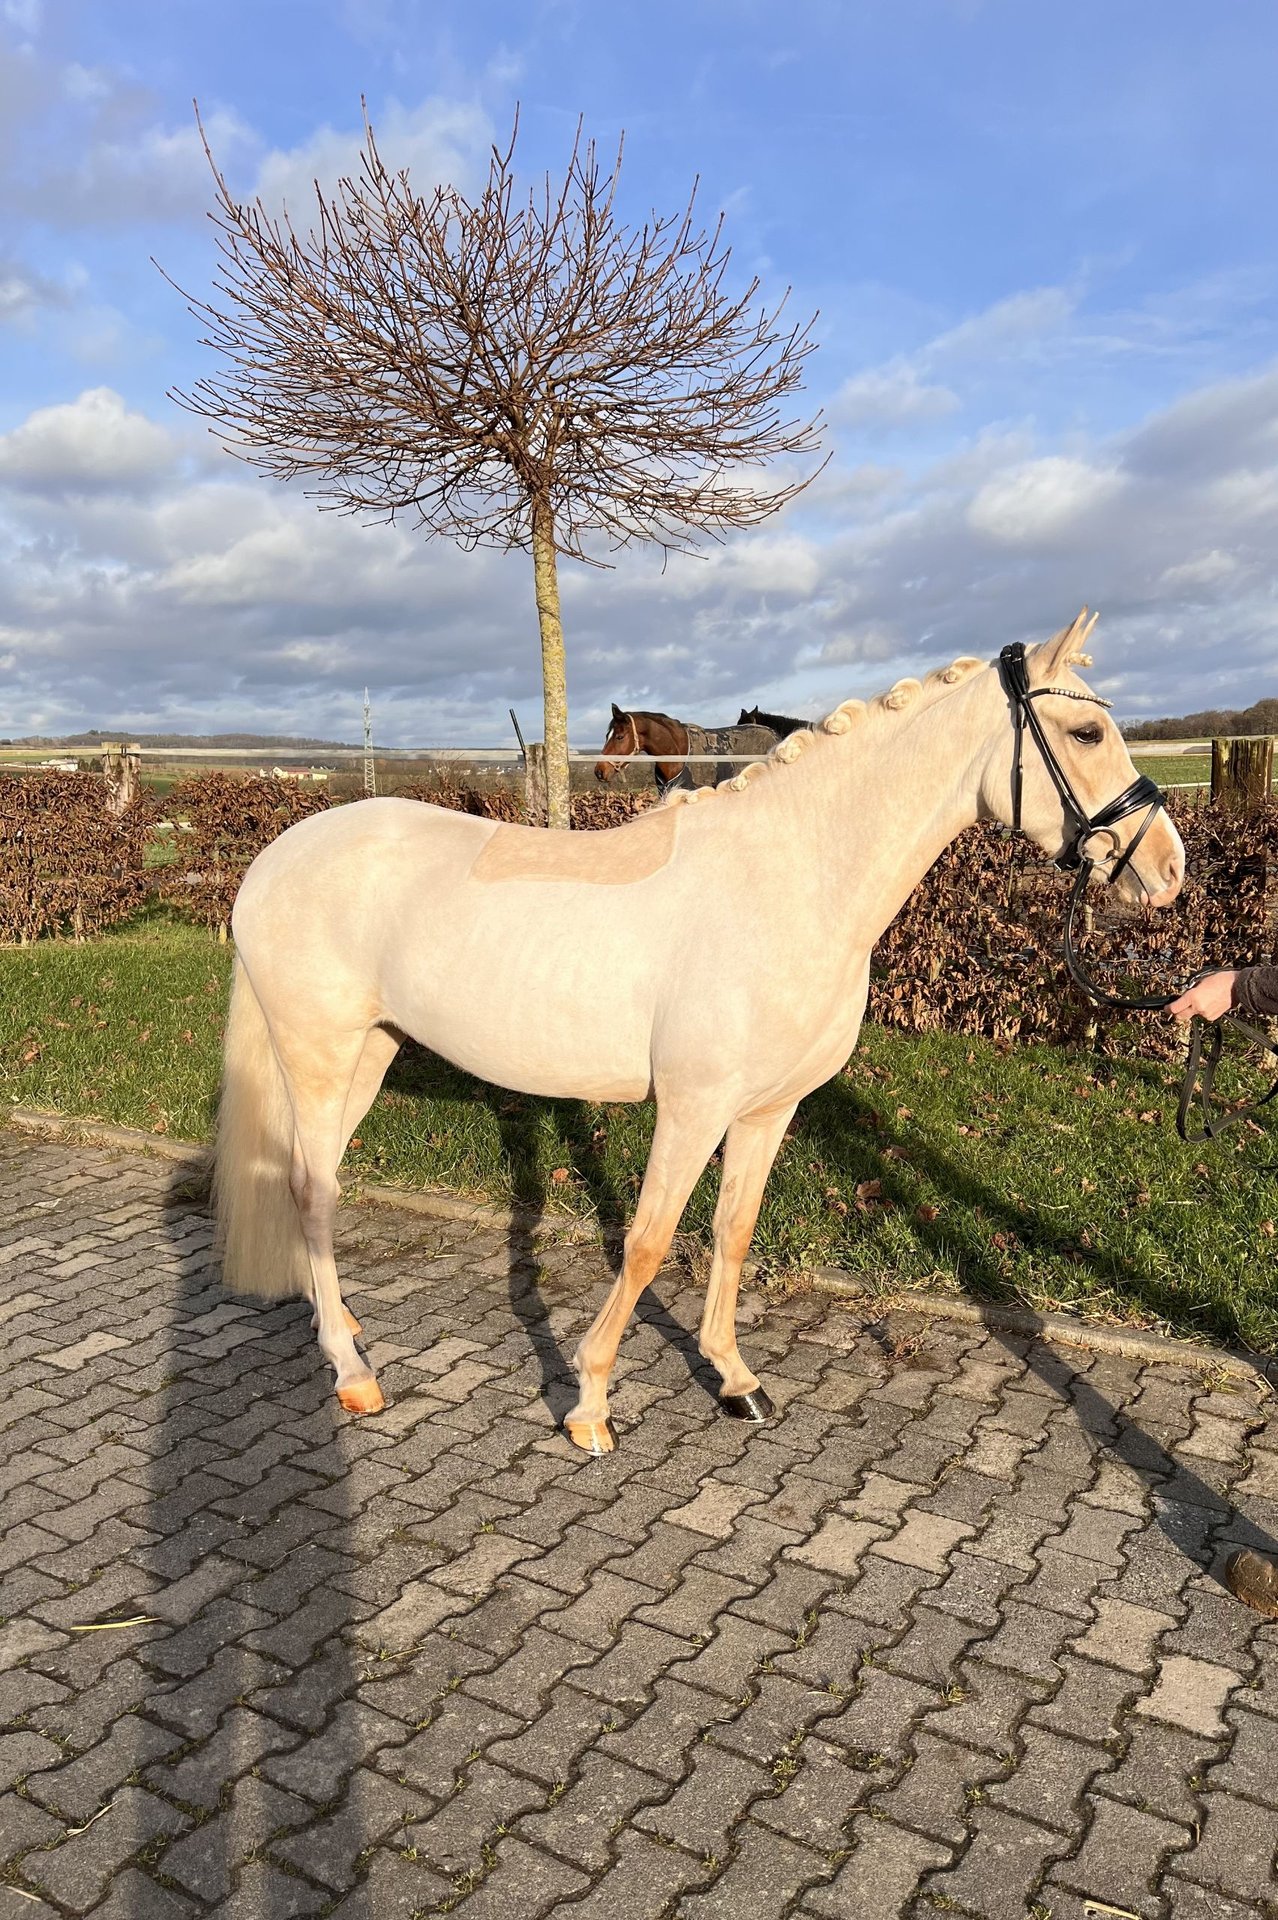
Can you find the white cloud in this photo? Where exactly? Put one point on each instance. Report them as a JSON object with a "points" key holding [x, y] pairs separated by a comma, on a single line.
{"points": [[25, 15], [86, 445], [1207, 571], [23, 292], [139, 172], [219, 599], [440, 142], [909, 389], [1042, 500], [890, 396], [1020, 320]]}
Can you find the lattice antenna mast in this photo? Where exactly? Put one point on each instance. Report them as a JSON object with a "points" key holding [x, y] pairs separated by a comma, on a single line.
{"points": [[370, 770]]}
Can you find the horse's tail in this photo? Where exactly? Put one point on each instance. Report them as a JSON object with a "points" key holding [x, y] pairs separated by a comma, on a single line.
{"points": [[259, 1231]]}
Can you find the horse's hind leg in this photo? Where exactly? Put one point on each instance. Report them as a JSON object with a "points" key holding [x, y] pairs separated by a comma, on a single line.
{"points": [[321, 1079], [748, 1152], [380, 1048], [680, 1149]]}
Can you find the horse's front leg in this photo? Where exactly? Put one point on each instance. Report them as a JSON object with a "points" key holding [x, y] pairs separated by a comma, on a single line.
{"points": [[681, 1145], [748, 1153]]}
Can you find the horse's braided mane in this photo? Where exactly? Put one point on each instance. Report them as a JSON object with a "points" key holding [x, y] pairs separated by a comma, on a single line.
{"points": [[848, 714]]}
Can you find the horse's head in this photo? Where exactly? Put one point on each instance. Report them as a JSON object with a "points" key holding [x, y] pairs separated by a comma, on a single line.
{"points": [[748, 717], [1062, 772], [622, 742]]}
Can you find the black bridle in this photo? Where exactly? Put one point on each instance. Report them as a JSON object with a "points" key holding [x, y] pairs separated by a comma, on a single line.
{"points": [[1204, 1050]]}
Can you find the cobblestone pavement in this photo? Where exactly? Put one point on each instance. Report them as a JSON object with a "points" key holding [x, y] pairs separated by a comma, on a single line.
{"points": [[947, 1635]]}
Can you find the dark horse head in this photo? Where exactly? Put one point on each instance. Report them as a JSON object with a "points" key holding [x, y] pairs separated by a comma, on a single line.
{"points": [[651, 733], [780, 723]]}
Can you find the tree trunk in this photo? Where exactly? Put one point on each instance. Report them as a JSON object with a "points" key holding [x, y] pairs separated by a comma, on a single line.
{"points": [[553, 680], [1242, 771]]}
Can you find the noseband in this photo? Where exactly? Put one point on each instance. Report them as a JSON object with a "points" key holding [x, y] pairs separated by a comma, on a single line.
{"points": [[1202, 1059], [1142, 792]]}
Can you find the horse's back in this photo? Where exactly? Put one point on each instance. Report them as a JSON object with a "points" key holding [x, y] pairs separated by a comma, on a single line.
{"points": [[369, 839]]}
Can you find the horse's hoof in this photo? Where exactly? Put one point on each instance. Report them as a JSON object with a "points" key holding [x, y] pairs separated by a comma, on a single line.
{"points": [[362, 1396], [1253, 1579], [754, 1406], [352, 1324], [592, 1436]]}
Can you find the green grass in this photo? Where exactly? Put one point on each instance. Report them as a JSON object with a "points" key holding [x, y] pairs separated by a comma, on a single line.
{"points": [[1020, 1173], [1174, 769], [1178, 769]]}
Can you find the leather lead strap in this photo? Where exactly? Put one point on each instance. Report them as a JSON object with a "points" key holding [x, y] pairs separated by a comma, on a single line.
{"points": [[1204, 1049]]}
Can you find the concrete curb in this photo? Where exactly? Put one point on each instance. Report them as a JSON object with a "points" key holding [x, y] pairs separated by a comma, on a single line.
{"points": [[434, 1203], [1127, 1343]]}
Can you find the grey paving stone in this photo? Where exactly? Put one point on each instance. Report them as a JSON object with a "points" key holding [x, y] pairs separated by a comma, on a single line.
{"points": [[204, 1861], [1237, 1851], [642, 1883], [78, 1872], [1123, 1857], [134, 1893], [437, 1659], [887, 1866], [396, 1887], [264, 1889], [935, 1793], [585, 1821], [374, 1810], [1004, 1863], [766, 1874], [77, 1788], [703, 1809]]}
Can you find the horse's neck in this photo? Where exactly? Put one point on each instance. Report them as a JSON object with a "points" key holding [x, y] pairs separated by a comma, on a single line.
{"points": [[661, 736], [889, 797]]}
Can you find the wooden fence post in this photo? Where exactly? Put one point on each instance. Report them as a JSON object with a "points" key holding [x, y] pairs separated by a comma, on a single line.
{"points": [[120, 765], [535, 784], [1242, 771]]}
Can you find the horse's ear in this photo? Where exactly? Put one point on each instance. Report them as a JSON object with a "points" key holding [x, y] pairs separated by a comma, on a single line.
{"points": [[1066, 648], [617, 714]]}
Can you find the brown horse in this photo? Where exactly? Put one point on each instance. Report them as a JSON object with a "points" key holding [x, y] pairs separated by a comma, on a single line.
{"points": [[668, 741]]}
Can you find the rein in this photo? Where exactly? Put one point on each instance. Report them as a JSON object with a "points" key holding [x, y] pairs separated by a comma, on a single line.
{"points": [[1204, 1050]]}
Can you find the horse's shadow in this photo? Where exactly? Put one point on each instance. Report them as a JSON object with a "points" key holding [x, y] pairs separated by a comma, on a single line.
{"points": [[521, 1125], [839, 1118], [840, 1124]]}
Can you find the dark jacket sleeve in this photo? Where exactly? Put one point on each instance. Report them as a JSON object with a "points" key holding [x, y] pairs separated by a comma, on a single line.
{"points": [[1256, 992]]}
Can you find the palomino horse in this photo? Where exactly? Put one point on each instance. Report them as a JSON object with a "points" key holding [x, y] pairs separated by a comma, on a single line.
{"points": [[667, 741], [629, 964]]}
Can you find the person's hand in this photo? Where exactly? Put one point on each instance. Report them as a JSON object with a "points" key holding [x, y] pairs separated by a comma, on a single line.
{"points": [[1210, 998]]}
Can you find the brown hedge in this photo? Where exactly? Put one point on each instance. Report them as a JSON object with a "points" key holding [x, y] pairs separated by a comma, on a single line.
{"points": [[221, 823], [67, 866], [977, 947], [589, 810]]}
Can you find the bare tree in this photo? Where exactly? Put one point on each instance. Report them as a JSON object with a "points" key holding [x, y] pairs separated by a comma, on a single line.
{"points": [[513, 371]]}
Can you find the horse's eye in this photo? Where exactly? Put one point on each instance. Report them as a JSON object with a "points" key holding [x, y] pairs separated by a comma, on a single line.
{"points": [[1087, 736]]}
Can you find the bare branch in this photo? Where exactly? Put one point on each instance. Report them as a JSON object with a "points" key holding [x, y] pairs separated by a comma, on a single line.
{"points": [[456, 364]]}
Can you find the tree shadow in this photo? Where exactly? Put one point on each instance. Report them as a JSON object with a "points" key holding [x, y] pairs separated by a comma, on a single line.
{"points": [[250, 1508]]}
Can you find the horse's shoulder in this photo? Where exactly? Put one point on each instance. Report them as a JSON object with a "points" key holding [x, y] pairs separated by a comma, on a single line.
{"points": [[613, 856]]}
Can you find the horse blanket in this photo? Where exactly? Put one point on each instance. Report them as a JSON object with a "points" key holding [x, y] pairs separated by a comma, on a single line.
{"points": [[760, 740]]}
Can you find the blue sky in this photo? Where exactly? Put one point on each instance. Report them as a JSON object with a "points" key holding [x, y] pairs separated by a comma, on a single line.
{"points": [[1042, 243]]}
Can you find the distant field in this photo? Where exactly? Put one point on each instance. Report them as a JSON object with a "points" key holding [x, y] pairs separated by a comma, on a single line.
{"points": [[1175, 769]]}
